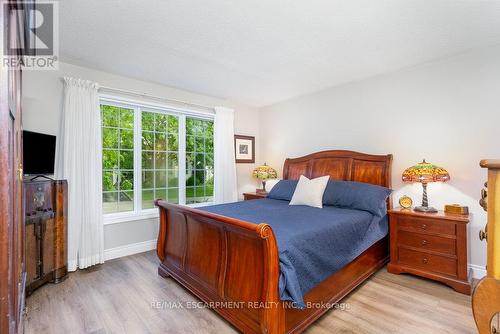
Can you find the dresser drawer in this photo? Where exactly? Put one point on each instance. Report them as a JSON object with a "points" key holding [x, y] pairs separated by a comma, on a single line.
{"points": [[425, 225], [428, 242], [428, 262]]}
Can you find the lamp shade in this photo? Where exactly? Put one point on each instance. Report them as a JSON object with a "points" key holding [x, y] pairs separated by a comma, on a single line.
{"points": [[425, 172], [264, 172]]}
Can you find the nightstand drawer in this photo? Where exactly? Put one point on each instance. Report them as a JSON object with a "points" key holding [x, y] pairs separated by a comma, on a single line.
{"points": [[428, 262], [431, 245], [423, 225], [427, 242], [251, 196]]}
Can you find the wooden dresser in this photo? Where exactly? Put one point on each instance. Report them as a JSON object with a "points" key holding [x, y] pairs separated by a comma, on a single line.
{"points": [[46, 212], [431, 245]]}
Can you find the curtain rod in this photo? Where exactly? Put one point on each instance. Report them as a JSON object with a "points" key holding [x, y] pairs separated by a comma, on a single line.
{"points": [[145, 95]]}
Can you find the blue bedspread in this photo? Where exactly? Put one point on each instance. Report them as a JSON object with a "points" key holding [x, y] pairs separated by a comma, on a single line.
{"points": [[313, 243]]}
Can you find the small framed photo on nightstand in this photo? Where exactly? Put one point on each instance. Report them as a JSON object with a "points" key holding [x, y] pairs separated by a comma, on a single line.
{"points": [[245, 149]]}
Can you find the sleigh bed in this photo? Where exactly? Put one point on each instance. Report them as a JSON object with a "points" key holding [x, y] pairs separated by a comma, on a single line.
{"points": [[233, 265]]}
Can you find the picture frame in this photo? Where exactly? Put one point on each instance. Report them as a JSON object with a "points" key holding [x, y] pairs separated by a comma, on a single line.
{"points": [[244, 149]]}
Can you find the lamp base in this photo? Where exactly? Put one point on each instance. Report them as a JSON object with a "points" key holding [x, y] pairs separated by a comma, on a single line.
{"points": [[425, 209]]}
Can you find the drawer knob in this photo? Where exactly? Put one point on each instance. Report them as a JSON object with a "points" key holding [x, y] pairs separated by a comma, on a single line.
{"points": [[425, 260], [424, 227], [424, 242]]}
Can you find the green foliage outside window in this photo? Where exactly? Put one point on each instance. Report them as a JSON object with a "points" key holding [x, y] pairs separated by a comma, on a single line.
{"points": [[199, 160], [160, 158], [159, 153], [117, 158]]}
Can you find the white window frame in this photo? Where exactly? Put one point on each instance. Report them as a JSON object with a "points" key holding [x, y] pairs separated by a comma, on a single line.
{"points": [[138, 106]]}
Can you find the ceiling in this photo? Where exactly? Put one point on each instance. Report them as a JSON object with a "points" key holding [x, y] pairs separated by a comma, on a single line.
{"points": [[260, 52]]}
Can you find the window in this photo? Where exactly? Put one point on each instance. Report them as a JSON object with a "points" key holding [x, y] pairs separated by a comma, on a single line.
{"points": [[151, 152]]}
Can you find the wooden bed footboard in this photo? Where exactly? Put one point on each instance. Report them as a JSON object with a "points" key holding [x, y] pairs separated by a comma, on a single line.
{"points": [[232, 265]]}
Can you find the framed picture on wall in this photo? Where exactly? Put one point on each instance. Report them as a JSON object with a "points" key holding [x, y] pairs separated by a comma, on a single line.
{"points": [[245, 149]]}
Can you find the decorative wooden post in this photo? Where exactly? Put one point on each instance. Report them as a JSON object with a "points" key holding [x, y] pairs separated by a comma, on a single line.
{"points": [[486, 296]]}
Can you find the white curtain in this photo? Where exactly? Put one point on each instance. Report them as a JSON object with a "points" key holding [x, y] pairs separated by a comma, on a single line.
{"points": [[79, 160], [225, 187]]}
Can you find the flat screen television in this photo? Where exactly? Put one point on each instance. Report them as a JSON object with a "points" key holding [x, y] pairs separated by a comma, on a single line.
{"points": [[39, 152]]}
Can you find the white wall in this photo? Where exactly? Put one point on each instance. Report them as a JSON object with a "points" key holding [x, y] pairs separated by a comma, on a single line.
{"points": [[447, 112], [42, 105]]}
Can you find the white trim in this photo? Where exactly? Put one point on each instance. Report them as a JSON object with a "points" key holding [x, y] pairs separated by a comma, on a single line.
{"points": [[126, 250], [137, 159], [478, 272], [156, 106], [182, 159], [200, 205], [124, 217], [153, 97], [130, 216]]}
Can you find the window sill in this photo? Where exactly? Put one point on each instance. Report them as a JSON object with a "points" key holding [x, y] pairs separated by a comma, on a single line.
{"points": [[118, 218], [125, 217], [199, 205]]}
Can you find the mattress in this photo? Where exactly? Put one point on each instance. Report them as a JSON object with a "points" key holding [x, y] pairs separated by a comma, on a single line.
{"points": [[313, 243]]}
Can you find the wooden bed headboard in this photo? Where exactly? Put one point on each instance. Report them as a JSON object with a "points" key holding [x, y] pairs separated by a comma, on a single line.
{"points": [[341, 165]]}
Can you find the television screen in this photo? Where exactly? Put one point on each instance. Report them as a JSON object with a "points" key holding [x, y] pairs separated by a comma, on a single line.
{"points": [[39, 152]]}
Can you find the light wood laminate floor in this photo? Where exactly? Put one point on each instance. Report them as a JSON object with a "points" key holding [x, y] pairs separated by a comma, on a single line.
{"points": [[117, 297]]}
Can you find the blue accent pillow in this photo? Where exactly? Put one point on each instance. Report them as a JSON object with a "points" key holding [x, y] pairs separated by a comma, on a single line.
{"points": [[357, 195], [283, 190]]}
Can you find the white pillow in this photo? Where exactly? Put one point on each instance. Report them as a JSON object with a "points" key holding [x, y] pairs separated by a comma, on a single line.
{"points": [[271, 183], [310, 192]]}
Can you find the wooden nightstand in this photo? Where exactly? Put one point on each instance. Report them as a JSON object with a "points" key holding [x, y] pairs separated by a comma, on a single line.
{"points": [[431, 245], [250, 196]]}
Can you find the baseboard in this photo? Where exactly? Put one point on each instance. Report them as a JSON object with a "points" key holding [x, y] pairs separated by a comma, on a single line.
{"points": [[478, 272], [130, 249]]}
